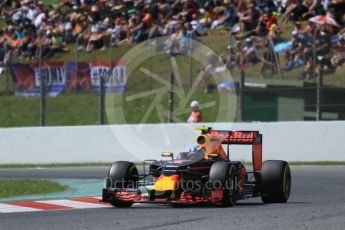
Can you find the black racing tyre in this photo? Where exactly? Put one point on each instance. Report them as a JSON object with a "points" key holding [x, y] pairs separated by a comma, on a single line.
{"points": [[276, 181], [223, 176], [122, 174]]}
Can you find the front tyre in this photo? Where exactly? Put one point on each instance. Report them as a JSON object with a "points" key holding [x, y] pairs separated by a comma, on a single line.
{"points": [[122, 174], [223, 176], [276, 181]]}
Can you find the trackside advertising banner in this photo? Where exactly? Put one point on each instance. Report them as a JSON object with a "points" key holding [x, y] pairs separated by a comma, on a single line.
{"points": [[78, 75], [27, 78], [81, 77], [115, 76]]}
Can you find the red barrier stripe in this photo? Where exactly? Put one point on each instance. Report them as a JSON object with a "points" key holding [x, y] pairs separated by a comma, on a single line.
{"points": [[38, 205]]}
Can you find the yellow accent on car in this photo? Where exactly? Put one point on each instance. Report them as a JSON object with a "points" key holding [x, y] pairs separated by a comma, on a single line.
{"points": [[201, 128], [167, 154], [165, 183]]}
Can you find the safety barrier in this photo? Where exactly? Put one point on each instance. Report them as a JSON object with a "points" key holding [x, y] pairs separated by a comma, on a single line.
{"points": [[292, 141]]}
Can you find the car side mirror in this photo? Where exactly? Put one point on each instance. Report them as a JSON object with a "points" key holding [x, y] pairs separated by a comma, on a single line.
{"points": [[168, 154], [213, 155]]}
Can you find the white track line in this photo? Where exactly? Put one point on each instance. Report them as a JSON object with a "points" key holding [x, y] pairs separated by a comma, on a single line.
{"points": [[69, 204], [73, 204], [6, 208]]}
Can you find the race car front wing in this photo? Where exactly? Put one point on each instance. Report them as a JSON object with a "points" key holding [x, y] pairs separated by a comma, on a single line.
{"points": [[186, 197]]}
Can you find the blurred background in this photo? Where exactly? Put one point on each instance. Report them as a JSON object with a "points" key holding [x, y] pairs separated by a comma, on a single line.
{"points": [[60, 59]]}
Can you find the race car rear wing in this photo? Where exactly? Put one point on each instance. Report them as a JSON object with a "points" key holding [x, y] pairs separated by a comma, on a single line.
{"points": [[228, 137], [233, 137]]}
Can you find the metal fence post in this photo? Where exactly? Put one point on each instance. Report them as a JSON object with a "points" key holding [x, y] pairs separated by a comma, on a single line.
{"points": [[191, 59], [314, 51], [42, 92], [101, 100], [242, 88], [6, 63], [319, 96], [110, 55], [149, 62], [276, 58], [77, 57], [110, 70], [171, 99], [229, 53], [76, 63]]}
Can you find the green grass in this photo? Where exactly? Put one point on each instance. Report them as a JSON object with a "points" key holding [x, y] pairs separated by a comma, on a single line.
{"points": [[24, 187], [63, 110], [2, 23], [47, 2], [82, 109]]}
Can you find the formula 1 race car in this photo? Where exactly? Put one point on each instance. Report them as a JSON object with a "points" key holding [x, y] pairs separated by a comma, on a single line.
{"points": [[203, 175]]}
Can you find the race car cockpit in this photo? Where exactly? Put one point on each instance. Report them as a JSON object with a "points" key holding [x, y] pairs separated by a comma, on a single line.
{"points": [[194, 153]]}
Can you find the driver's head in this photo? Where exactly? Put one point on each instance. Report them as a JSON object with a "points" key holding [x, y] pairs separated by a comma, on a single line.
{"points": [[193, 149]]}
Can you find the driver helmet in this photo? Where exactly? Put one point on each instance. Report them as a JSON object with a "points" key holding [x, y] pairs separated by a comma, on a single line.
{"points": [[193, 149]]}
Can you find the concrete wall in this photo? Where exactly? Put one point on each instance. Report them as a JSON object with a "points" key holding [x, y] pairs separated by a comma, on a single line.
{"points": [[292, 141]]}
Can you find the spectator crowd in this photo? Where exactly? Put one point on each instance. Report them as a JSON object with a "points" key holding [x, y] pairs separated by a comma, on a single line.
{"points": [[33, 29]]}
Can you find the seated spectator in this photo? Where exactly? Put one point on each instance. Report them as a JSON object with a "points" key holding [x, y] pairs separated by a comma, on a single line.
{"points": [[270, 19], [197, 26], [141, 31], [323, 47], [214, 68], [265, 23], [43, 42], [58, 44], [177, 40], [2, 48], [115, 31], [250, 18], [337, 8], [29, 45], [215, 65], [249, 55], [78, 26], [294, 56], [227, 16], [96, 24], [294, 10], [39, 20], [275, 34], [230, 57], [206, 20], [314, 7], [339, 56], [280, 5], [66, 28], [270, 61], [189, 7], [95, 41], [8, 7], [134, 29]]}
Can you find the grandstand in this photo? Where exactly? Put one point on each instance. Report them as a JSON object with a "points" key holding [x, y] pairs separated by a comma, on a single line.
{"points": [[275, 43]]}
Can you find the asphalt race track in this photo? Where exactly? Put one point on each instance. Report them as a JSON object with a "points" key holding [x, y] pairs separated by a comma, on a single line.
{"points": [[317, 202]]}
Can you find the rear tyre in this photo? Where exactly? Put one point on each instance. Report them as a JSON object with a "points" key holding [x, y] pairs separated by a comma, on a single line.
{"points": [[223, 176], [122, 174], [276, 181]]}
